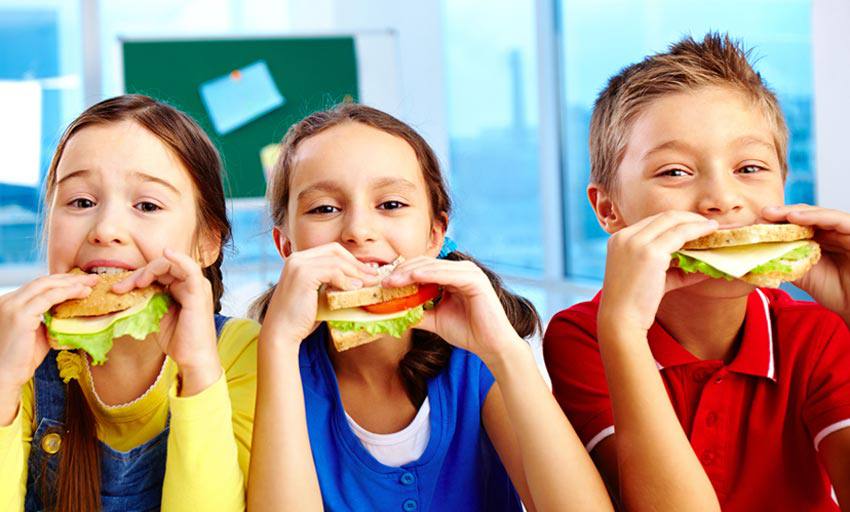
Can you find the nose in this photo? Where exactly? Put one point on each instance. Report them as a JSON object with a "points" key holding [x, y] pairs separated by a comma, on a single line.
{"points": [[719, 195], [360, 226], [108, 228]]}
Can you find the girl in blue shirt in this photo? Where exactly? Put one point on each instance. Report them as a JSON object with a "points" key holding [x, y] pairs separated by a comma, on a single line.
{"points": [[453, 416]]}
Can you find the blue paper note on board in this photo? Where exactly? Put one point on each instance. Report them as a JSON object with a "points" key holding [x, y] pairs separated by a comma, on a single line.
{"points": [[239, 97]]}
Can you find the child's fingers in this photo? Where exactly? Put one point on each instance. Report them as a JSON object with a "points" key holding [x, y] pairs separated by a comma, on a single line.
{"points": [[157, 269], [668, 221], [315, 269], [781, 211], [678, 235], [403, 271], [341, 252], [182, 266], [42, 302], [42, 284], [822, 218], [463, 276]]}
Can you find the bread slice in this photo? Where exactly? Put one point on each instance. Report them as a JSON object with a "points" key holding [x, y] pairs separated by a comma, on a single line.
{"points": [[755, 234], [102, 300], [344, 340], [798, 269], [341, 299]]}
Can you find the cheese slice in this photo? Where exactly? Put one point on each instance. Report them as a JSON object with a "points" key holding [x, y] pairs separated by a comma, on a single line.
{"points": [[89, 325], [353, 314], [738, 260]]}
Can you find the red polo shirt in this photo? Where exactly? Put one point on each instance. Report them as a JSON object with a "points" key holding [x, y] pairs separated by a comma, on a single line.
{"points": [[755, 423]]}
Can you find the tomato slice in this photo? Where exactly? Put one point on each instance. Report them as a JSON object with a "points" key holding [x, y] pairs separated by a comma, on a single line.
{"points": [[426, 292]]}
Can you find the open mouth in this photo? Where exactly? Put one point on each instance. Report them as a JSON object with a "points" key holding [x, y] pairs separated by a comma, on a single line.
{"points": [[107, 270]]}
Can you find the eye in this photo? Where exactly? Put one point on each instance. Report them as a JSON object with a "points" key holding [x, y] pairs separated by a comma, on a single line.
{"points": [[391, 205], [147, 207], [751, 169], [324, 209], [674, 173], [81, 203]]}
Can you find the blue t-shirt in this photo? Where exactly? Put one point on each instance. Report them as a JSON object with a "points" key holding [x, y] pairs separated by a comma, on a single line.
{"points": [[459, 469]]}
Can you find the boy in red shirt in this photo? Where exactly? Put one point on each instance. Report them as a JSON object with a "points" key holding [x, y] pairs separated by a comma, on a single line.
{"points": [[694, 393]]}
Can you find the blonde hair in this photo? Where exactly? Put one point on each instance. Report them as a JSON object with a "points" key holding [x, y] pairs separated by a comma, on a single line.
{"points": [[688, 65]]}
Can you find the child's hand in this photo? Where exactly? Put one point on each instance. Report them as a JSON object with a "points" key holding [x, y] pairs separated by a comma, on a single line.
{"points": [[637, 270], [187, 332], [828, 282], [469, 314], [23, 340], [291, 315]]}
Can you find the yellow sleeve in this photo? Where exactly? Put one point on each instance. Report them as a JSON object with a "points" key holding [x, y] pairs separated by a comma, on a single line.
{"points": [[209, 444], [15, 442]]}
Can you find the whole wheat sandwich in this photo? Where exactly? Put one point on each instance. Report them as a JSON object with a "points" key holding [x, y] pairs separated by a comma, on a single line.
{"points": [[761, 254], [91, 323], [356, 317]]}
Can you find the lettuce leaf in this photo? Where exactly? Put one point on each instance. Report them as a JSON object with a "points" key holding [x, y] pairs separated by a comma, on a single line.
{"points": [[394, 326], [779, 264], [690, 265], [98, 344]]}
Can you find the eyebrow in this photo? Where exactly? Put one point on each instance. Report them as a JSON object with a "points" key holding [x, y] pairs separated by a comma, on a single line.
{"points": [[746, 140], [76, 174], [670, 144], [331, 187], [321, 186], [141, 176], [751, 140]]}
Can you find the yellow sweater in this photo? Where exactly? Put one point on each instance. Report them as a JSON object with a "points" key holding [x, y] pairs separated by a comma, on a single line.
{"points": [[209, 442]]}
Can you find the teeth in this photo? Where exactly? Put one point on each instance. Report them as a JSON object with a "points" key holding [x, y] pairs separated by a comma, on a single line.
{"points": [[374, 264], [107, 270]]}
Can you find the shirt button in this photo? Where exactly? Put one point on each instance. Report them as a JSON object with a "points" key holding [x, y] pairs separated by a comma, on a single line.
{"points": [[711, 419], [409, 505], [407, 478], [51, 443]]}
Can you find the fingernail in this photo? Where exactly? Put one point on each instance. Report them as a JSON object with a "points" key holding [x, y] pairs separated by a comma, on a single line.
{"points": [[355, 283]]}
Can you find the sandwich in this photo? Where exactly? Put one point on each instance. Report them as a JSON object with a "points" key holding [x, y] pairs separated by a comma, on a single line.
{"points": [[762, 254], [357, 317], [92, 322]]}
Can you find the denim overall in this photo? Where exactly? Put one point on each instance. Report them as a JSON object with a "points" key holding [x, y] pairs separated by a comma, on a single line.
{"points": [[130, 481]]}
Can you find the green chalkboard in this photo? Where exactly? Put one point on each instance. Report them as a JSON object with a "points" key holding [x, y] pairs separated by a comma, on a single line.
{"points": [[311, 73]]}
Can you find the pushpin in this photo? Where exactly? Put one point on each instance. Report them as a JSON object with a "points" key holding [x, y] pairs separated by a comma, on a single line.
{"points": [[235, 75]]}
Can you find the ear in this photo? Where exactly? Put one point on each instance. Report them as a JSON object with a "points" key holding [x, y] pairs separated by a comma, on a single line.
{"points": [[605, 209], [284, 246], [438, 233], [209, 248]]}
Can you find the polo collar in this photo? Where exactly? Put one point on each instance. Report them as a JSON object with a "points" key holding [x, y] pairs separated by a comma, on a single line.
{"points": [[755, 355]]}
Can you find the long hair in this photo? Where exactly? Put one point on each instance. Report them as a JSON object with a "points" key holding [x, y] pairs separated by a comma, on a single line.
{"points": [[429, 353], [78, 486]]}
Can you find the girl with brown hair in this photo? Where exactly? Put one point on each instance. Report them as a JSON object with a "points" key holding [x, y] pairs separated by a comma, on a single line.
{"points": [[134, 185], [454, 415]]}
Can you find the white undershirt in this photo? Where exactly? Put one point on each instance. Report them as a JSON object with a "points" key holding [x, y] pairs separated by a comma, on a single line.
{"points": [[398, 448]]}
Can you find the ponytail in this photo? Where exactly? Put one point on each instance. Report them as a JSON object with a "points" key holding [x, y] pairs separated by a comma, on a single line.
{"points": [[258, 309], [430, 353], [78, 481]]}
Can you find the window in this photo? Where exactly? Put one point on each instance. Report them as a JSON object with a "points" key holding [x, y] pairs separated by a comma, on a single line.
{"points": [[491, 75], [40, 44], [598, 38]]}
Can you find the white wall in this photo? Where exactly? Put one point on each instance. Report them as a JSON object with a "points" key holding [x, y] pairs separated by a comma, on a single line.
{"points": [[831, 44]]}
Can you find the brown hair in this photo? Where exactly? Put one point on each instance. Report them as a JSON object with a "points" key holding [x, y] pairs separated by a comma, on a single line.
{"points": [[78, 486], [429, 353], [688, 65]]}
